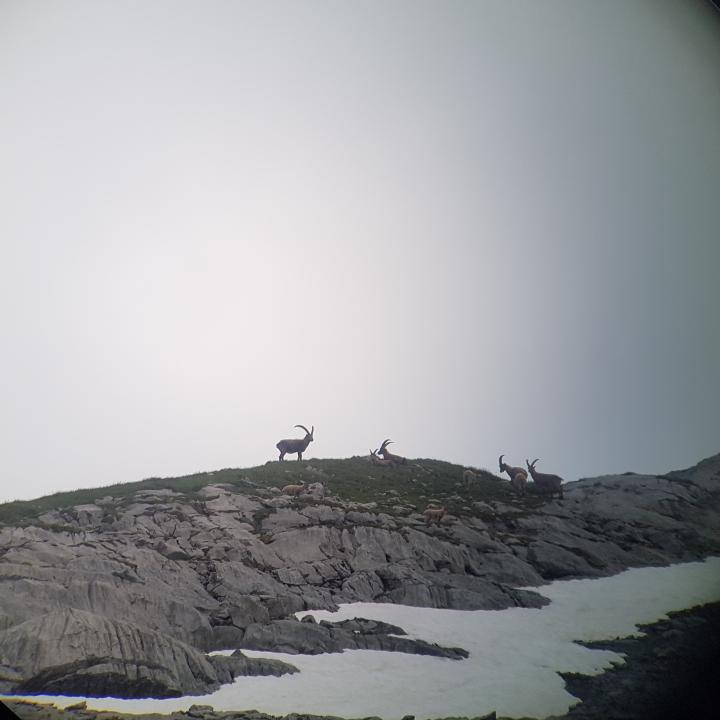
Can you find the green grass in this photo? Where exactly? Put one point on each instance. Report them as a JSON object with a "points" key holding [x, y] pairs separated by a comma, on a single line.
{"points": [[413, 485]]}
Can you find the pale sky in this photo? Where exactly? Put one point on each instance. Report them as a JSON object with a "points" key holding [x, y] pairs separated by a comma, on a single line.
{"points": [[473, 227]]}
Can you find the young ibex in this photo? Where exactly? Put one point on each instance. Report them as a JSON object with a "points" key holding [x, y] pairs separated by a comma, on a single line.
{"points": [[296, 445], [518, 476], [384, 462], [294, 489], [546, 483], [469, 476], [434, 515], [387, 455]]}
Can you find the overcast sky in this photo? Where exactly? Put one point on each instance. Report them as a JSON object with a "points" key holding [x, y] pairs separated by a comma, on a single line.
{"points": [[473, 227]]}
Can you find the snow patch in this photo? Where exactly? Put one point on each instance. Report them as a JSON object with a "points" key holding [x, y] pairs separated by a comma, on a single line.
{"points": [[515, 654]]}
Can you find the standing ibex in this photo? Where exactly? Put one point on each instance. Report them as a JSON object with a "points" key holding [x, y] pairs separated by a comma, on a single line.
{"points": [[469, 476], [433, 514], [546, 483], [294, 489], [296, 445], [397, 459], [518, 476]]}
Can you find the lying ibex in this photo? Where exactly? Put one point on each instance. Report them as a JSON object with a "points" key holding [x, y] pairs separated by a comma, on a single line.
{"points": [[294, 489], [518, 476], [434, 515], [387, 455], [546, 483], [384, 462], [296, 445]]}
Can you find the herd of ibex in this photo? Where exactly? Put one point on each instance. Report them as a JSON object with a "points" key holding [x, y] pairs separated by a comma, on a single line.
{"points": [[545, 483]]}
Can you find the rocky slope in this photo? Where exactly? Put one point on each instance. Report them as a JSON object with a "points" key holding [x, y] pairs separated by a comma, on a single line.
{"points": [[669, 673], [135, 586], [75, 652]]}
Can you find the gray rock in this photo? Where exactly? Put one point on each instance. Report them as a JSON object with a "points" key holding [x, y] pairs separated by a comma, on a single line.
{"points": [[553, 561], [293, 637], [200, 711], [365, 626], [246, 610], [364, 585], [316, 489], [225, 637], [73, 652], [238, 664], [203, 571], [705, 475], [284, 519]]}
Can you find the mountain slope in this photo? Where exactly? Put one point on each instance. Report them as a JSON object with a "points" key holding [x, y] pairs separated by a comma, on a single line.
{"points": [[204, 560]]}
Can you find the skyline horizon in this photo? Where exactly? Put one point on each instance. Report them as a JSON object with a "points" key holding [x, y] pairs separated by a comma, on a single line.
{"points": [[245, 466], [471, 226]]}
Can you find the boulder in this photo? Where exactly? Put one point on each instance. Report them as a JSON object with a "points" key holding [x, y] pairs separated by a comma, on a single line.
{"points": [[72, 652], [294, 637]]}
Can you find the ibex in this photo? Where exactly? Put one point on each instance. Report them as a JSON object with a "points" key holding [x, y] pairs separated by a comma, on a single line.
{"points": [[546, 483], [469, 476], [434, 515], [518, 476], [385, 462], [294, 489], [387, 455], [296, 445]]}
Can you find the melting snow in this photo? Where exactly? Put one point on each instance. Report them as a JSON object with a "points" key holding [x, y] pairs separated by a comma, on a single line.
{"points": [[515, 654]]}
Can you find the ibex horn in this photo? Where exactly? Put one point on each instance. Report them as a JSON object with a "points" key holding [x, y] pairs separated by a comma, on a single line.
{"points": [[304, 428]]}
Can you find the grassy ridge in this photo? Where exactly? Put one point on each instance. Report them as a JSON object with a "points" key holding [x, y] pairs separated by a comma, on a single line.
{"points": [[353, 479]]}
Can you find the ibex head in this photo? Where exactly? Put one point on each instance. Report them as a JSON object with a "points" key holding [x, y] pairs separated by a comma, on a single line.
{"points": [[531, 465], [308, 433], [384, 445]]}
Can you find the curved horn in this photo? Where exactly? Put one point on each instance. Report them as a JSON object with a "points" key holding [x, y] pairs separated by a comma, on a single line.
{"points": [[500, 462], [532, 464], [312, 431], [304, 428], [385, 443]]}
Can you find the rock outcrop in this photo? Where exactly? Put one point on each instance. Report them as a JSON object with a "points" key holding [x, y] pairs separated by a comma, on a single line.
{"points": [[293, 637], [74, 652], [156, 573]]}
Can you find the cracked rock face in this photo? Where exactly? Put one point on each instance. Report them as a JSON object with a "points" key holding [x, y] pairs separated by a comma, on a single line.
{"points": [[144, 585], [309, 638], [80, 653]]}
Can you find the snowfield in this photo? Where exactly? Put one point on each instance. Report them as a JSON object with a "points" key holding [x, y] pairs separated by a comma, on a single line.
{"points": [[515, 654]]}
